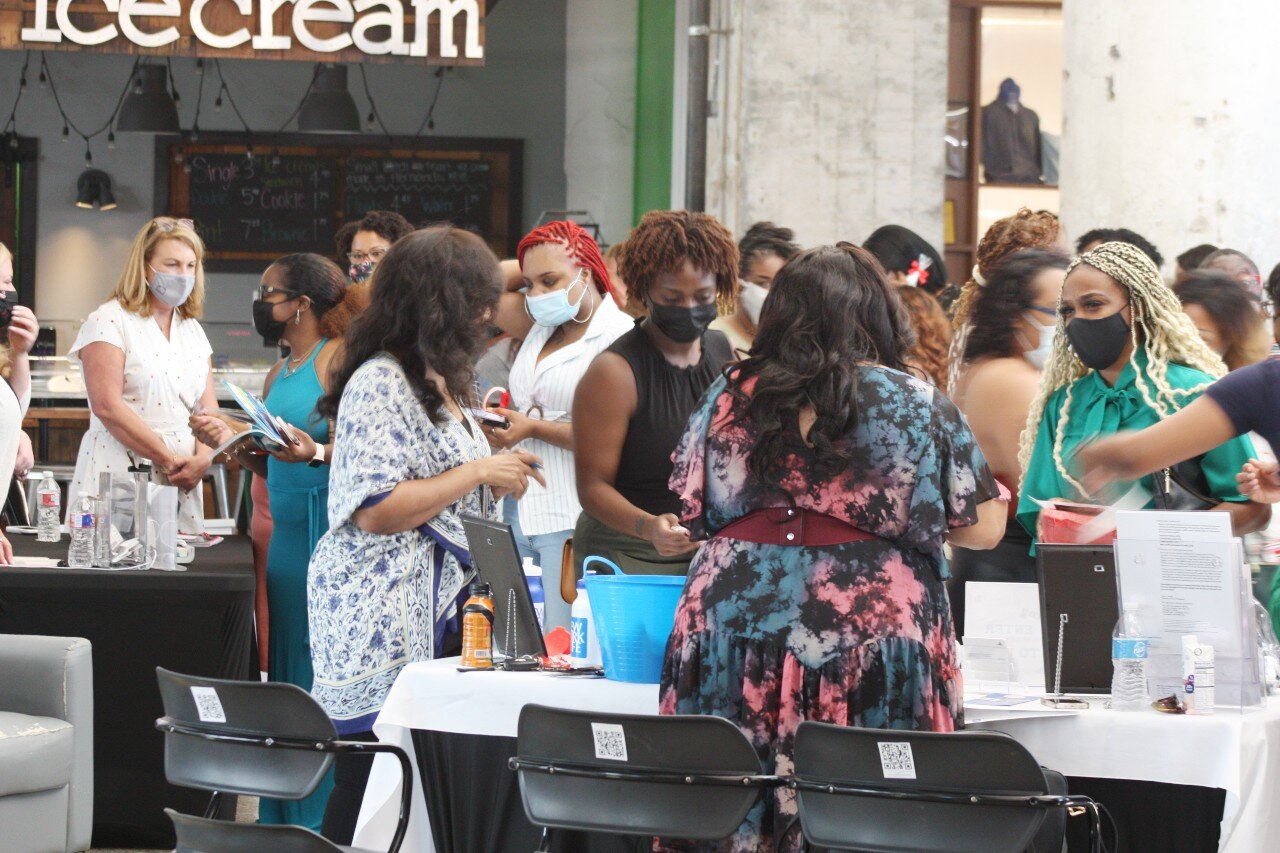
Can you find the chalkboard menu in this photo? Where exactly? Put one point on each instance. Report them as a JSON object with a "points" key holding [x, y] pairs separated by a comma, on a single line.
{"points": [[276, 204], [293, 197], [420, 190]]}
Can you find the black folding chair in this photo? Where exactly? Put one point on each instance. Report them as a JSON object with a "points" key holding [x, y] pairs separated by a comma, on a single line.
{"points": [[886, 791], [260, 739], [628, 774]]}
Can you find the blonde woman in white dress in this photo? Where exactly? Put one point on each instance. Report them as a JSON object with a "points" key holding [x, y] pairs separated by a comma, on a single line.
{"points": [[147, 364], [15, 447]]}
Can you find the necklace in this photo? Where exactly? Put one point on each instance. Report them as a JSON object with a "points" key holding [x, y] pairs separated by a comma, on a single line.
{"points": [[295, 363]]}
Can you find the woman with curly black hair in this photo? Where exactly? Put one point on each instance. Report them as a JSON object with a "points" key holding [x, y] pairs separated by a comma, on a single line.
{"points": [[408, 461], [1013, 323], [632, 404], [828, 479]]}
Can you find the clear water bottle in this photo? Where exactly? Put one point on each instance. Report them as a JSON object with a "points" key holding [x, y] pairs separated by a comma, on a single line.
{"points": [[533, 577], [49, 510], [585, 651], [83, 525], [1129, 651]]}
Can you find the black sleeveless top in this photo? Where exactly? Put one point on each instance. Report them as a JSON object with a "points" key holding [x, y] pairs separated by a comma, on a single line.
{"points": [[665, 397]]}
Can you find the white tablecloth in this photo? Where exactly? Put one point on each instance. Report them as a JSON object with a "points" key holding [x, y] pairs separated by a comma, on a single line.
{"points": [[1239, 753]]}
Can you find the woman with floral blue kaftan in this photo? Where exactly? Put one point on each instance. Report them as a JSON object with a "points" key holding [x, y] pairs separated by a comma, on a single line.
{"points": [[408, 462]]}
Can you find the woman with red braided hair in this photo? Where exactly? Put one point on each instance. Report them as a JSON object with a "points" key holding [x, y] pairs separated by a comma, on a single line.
{"points": [[562, 306], [639, 393]]}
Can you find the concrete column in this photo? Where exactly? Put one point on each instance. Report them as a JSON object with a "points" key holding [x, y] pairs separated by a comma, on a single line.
{"points": [[1170, 118], [600, 108], [829, 116]]}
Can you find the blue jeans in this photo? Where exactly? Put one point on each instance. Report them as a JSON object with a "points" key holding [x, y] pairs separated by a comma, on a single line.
{"points": [[547, 550]]}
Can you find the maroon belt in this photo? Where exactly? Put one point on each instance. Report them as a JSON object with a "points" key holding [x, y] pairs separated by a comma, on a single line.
{"points": [[800, 527]]}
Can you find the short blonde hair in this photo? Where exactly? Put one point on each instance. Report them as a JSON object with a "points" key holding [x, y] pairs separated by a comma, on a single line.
{"points": [[131, 290]]}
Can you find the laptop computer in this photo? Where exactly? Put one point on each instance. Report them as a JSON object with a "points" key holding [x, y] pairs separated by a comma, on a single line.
{"points": [[1080, 582], [496, 559]]}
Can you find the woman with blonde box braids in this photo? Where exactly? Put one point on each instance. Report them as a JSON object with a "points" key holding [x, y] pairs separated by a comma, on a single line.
{"points": [[1127, 358]]}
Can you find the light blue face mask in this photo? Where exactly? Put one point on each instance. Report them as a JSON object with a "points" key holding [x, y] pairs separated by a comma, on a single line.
{"points": [[554, 308], [173, 289]]}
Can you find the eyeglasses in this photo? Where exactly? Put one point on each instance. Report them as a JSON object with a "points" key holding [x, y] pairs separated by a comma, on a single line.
{"points": [[266, 290], [1048, 312], [165, 224], [361, 257]]}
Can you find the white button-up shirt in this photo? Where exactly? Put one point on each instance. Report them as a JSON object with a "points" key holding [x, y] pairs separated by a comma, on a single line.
{"points": [[549, 384]]}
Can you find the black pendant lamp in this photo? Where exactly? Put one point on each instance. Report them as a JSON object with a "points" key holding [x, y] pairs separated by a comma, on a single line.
{"points": [[148, 108], [94, 190], [329, 107]]}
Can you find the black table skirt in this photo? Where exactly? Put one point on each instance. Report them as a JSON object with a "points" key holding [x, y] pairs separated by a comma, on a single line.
{"points": [[473, 800], [199, 621]]}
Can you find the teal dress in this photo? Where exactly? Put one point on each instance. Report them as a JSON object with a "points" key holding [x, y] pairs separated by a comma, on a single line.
{"points": [[299, 508]]}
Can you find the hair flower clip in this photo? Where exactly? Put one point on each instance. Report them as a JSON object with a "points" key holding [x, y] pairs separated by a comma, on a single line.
{"points": [[918, 272]]}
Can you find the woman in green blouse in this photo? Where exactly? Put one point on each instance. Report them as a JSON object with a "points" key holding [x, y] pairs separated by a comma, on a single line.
{"points": [[1126, 358]]}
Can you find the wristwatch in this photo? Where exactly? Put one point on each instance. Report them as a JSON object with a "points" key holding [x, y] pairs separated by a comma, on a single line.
{"points": [[318, 459]]}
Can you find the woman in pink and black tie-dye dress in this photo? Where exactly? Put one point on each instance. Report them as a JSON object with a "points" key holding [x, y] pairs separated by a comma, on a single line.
{"points": [[826, 480]]}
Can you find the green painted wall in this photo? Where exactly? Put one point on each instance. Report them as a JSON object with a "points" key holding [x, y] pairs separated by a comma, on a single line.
{"points": [[655, 92]]}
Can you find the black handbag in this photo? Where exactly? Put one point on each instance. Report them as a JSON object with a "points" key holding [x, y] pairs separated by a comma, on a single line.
{"points": [[1183, 487]]}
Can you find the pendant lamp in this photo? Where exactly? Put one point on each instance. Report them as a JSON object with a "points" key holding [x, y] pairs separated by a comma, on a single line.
{"points": [[329, 107], [148, 108]]}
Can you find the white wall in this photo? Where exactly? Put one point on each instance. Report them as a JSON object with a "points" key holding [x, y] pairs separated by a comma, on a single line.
{"points": [[831, 116], [600, 111], [1172, 112], [520, 92]]}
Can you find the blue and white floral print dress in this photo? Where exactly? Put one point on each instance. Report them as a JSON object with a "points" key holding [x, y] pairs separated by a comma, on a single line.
{"points": [[377, 602]]}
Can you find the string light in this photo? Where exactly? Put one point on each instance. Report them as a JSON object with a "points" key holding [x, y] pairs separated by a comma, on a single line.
{"points": [[88, 155], [429, 121], [68, 126]]}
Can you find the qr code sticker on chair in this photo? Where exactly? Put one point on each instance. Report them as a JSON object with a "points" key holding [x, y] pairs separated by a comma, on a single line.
{"points": [[208, 706], [896, 760], [611, 742]]}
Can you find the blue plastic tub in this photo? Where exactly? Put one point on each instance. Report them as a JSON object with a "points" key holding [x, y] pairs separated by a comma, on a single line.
{"points": [[634, 615]]}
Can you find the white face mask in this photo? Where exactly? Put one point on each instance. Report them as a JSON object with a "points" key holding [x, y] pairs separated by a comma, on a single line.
{"points": [[751, 297], [1039, 356]]}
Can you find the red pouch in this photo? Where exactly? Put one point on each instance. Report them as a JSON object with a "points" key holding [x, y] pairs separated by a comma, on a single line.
{"points": [[1064, 523]]}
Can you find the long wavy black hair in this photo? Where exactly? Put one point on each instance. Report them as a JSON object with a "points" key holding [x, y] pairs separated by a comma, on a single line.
{"points": [[431, 295], [1007, 296], [831, 312]]}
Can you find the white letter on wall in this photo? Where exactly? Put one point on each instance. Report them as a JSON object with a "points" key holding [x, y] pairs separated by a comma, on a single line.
{"points": [[150, 8], [78, 35], [41, 31], [206, 36], [392, 18], [306, 10], [448, 9], [266, 39]]}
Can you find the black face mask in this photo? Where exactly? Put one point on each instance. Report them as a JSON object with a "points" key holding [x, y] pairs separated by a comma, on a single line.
{"points": [[682, 325], [271, 329], [1098, 343], [6, 310]]}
